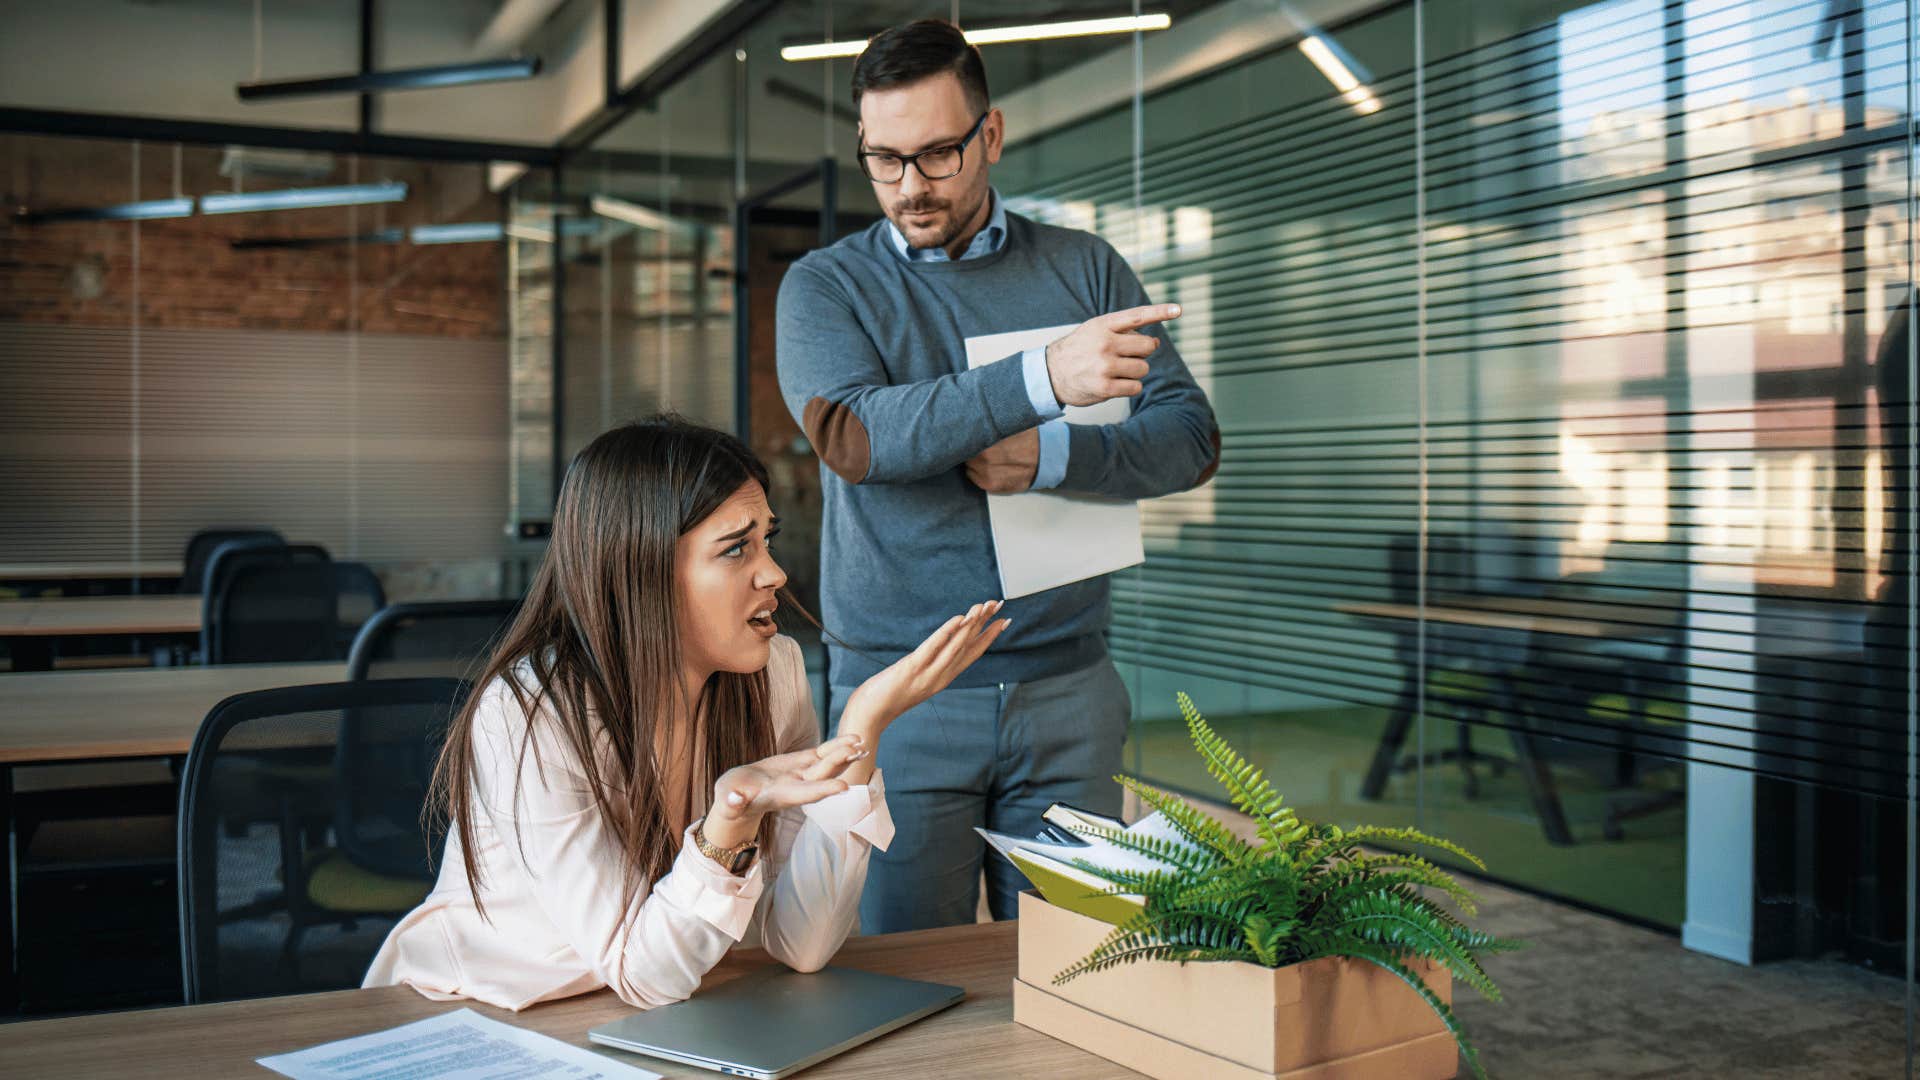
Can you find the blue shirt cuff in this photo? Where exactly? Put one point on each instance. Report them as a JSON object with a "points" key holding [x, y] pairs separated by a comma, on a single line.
{"points": [[1033, 363], [1052, 467]]}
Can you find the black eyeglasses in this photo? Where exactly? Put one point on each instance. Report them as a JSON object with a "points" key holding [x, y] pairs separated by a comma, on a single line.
{"points": [[934, 163]]}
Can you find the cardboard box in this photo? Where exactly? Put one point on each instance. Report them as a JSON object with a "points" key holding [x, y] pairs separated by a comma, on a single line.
{"points": [[1325, 1019]]}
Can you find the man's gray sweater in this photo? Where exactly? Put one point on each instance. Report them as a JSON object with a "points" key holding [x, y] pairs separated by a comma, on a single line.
{"points": [[872, 360]]}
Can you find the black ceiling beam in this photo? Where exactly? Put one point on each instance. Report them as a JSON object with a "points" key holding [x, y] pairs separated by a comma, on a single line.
{"points": [[610, 81], [158, 129], [367, 16], [715, 35], [376, 82]]}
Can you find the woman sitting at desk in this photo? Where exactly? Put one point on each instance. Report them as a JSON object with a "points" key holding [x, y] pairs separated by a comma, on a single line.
{"points": [[635, 780]]}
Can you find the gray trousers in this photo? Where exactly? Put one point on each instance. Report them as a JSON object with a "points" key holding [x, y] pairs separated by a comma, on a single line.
{"points": [[992, 756]]}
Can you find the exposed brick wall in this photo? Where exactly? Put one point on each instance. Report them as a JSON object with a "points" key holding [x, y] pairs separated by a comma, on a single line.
{"points": [[191, 276]]}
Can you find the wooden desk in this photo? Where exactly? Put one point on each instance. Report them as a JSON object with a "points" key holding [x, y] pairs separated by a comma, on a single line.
{"points": [[91, 571], [92, 715], [976, 1038], [1569, 618], [31, 625], [86, 616], [147, 712]]}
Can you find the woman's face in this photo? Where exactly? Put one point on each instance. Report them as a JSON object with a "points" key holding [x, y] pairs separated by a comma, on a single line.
{"points": [[726, 578]]}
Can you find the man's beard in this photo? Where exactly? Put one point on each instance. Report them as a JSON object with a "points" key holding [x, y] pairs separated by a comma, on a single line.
{"points": [[954, 224]]}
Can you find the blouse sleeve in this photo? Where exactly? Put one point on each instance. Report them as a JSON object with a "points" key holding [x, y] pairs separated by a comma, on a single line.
{"points": [[655, 949], [820, 851]]}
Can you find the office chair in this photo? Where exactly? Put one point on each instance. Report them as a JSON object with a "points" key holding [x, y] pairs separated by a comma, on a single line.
{"points": [[359, 596], [270, 605], [340, 848], [449, 638], [200, 550]]}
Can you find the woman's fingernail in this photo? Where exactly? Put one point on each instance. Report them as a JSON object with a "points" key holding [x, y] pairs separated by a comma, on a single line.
{"points": [[734, 799]]}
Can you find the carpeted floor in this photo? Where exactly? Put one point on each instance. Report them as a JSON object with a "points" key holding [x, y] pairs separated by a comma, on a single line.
{"points": [[1593, 997]]}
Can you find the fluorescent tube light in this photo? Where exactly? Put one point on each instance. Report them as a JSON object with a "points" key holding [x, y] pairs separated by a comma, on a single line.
{"points": [[464, 232], [632, 214], [541, 234], [138, 211], [1124, 24], [1352, 90], [303, 198], [373, 82]]}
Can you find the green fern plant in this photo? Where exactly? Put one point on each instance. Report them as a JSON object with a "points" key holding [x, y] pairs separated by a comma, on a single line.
{"points": [[1300, 892]]}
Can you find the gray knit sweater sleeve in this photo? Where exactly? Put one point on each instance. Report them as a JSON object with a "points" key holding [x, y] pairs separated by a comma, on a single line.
{"points": [[1169, 443], [865, 426]]}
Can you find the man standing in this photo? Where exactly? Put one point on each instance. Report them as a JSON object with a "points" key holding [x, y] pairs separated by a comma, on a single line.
{"points": [[872, 359]]}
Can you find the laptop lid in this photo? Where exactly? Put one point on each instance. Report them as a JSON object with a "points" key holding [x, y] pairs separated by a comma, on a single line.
{"points": [[777, 1021]]}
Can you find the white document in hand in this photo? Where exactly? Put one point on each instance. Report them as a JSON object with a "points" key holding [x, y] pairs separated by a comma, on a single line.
{"points": [[1045, 539]]}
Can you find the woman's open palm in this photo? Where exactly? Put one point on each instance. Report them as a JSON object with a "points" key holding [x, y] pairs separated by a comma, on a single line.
{"points": [[786, 780], [925, 671]]}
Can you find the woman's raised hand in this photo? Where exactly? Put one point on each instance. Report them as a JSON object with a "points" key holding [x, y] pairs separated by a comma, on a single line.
{"points": [[924, 672], [742, 796]]}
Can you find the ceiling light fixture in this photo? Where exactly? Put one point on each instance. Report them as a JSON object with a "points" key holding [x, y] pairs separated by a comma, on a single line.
{"points": [[638, 216], [462, 232], [1355, 92], [374, 82], [303, 198], [138, 211], [1125, 24]]}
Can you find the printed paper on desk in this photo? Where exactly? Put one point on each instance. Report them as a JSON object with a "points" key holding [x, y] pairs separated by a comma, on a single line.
{"points": [[1046, 539], [458, 1045]]}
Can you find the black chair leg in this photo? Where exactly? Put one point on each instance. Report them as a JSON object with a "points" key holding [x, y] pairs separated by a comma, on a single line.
{"points": [[1391, 739], [1463, 736], [1541, 789]]}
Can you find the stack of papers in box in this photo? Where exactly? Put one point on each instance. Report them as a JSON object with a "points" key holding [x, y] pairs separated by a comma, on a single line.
{"points": [[1049, 863]]}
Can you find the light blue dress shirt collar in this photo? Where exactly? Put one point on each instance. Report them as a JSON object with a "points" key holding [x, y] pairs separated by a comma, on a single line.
{"points": [[988, 240]]}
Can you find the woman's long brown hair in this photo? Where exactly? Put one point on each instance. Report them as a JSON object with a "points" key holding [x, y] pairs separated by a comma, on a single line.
{"points": [[597, 634]]}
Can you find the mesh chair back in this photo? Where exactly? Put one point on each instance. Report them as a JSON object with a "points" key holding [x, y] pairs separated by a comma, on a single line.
{"points": [[300, 832], [358, 596], [271, 608], [219, 560], [449, 638], [200, 551]]}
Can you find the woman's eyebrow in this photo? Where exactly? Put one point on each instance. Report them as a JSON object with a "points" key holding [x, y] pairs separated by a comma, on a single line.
{"points": [[741, 533]]}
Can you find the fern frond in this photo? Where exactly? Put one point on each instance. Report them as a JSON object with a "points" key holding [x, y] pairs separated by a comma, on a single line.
{"points": [[1421, 872], [1202, 829], [1405, 925], [1158, 848], [1246, 786], [1127, 882], [1363, 833], [1175, 953]]}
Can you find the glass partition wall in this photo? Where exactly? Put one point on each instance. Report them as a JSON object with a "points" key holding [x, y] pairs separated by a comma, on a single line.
{"points": [[1563, 358], [183, 346]]}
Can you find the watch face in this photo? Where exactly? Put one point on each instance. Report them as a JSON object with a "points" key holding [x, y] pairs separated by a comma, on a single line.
{"points": [[742, 859]]}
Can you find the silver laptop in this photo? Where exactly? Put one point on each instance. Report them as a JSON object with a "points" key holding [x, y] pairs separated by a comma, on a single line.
{"points": [[773, 1023]]}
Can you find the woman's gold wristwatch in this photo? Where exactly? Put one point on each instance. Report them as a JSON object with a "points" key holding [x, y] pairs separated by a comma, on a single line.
{"points": [[736, 859]]}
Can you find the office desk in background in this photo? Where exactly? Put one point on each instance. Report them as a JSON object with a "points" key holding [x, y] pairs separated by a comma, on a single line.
{"points": [[976, 1038], [70, 716], [90, 571], [30, 626], [1528, 617]]}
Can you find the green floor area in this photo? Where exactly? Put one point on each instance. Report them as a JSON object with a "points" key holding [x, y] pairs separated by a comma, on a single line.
{"points": [[1317, 759]]}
